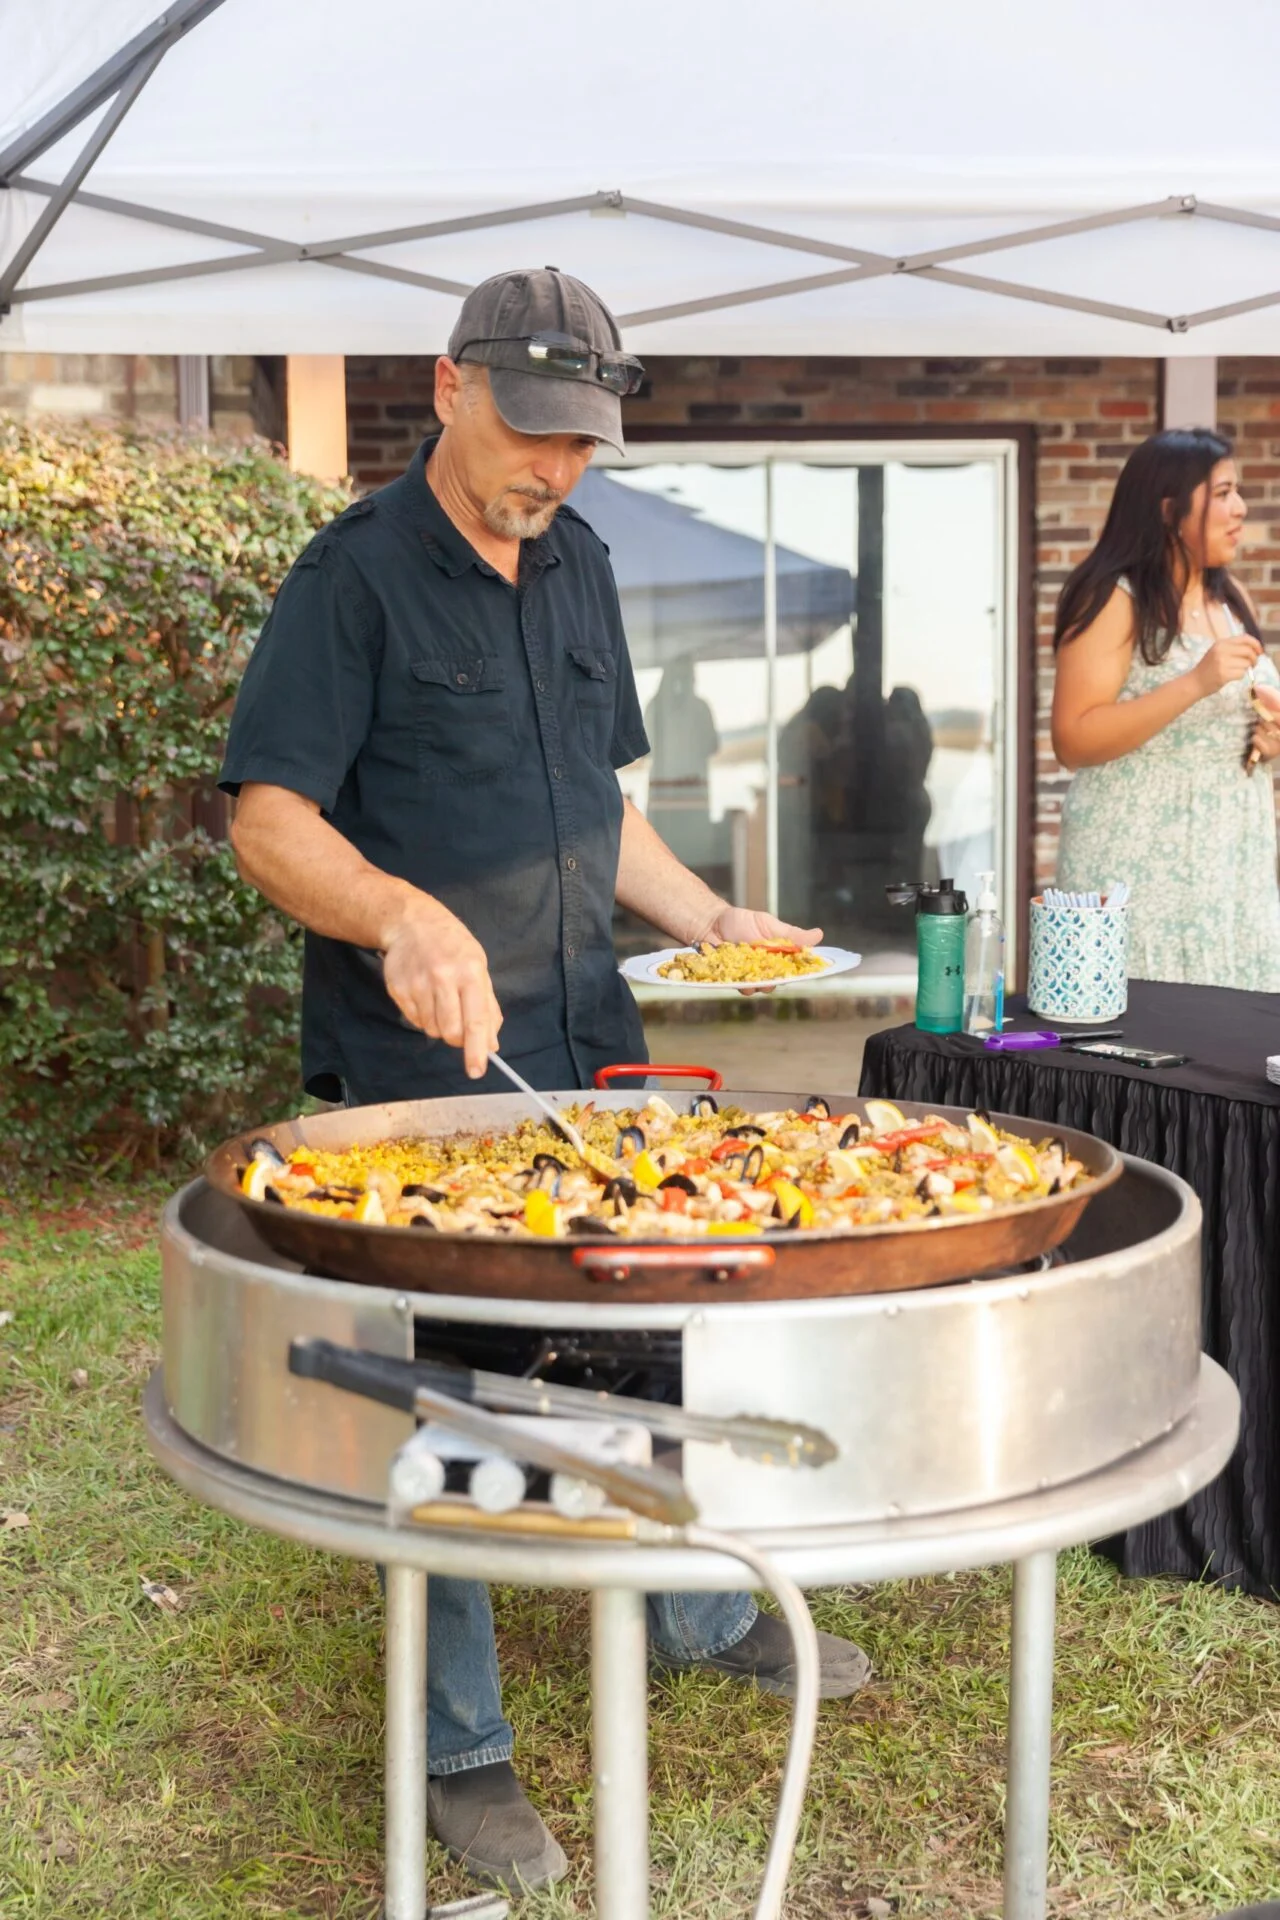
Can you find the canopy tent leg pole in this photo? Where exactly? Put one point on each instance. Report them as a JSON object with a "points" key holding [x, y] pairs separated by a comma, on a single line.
{"points": [[770, 697]]}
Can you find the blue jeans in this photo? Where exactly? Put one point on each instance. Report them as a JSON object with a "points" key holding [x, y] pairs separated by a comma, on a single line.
{"points": [[465, 1726]]}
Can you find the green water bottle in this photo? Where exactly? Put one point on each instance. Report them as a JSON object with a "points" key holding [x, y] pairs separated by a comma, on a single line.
{"points": [[940, 929]]}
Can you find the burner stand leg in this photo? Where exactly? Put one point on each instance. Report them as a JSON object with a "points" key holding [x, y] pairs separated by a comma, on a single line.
{"points": [[620, 1753], [406, 1740], [1026, 1827]]}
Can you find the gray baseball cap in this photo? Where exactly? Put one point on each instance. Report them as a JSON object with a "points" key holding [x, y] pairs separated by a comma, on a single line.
{"points": [[553, 351]]}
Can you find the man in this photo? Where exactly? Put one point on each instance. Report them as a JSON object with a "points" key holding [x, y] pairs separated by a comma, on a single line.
{"points": [[424, 750]]}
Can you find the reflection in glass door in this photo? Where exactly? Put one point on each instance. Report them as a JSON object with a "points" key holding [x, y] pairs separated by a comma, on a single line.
{"points": [[820, 651]]}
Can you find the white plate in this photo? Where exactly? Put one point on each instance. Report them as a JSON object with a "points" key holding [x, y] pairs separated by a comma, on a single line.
{"points": [[643, 967]]}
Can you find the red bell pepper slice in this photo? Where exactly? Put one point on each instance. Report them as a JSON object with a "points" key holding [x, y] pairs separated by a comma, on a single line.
{"points": [[729, 1146], [905, 1137]]}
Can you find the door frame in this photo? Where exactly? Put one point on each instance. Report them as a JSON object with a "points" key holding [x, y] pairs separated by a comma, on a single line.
{"points": [[1013, 448]]}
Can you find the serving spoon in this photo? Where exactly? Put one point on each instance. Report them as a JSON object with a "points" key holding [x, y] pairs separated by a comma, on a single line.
{"points": [[590, 1156]]}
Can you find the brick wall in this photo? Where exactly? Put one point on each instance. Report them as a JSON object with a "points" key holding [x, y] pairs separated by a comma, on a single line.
{"points": [[122, 386], [1249, 414], [1087, 415]]}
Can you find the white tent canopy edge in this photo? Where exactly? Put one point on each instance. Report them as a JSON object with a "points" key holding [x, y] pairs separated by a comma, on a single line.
{"points": [[262, 179]]}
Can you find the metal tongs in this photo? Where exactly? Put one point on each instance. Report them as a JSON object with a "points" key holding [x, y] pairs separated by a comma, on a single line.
{"points": [[434, 1390]]}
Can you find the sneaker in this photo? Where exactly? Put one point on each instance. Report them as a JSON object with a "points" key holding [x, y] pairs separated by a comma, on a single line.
{"points": [[484, 1820], [764, 1654]]}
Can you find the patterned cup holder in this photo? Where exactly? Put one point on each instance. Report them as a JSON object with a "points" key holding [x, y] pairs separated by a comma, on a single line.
{"points": [[1079, 967]]}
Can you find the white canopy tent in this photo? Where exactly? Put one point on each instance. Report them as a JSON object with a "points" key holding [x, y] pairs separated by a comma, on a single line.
{"points": [[826, 177]]}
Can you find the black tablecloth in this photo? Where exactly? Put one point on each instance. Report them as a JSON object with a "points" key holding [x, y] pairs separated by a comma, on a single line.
{"points": [[1216, 1122]]}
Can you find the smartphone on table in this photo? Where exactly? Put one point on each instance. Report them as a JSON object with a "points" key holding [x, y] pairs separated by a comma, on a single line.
{"points": [[1128, 1056]]}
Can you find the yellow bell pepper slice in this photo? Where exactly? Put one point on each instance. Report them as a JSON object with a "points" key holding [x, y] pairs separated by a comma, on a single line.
{"points": [[792, 1204], [541, 1215], [646, 1172]]}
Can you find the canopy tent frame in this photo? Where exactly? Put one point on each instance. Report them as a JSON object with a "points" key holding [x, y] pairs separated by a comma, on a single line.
{"points": [[121, 78]]}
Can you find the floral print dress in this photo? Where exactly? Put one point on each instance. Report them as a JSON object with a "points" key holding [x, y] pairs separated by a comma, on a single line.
{"points": [[1190, 831]]}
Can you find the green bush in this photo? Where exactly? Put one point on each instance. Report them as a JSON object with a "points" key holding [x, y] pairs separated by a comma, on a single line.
{"points": [[148, 998]]}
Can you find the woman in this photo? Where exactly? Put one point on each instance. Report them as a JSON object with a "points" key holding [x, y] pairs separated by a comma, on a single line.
{"points": [[1168, 711]]}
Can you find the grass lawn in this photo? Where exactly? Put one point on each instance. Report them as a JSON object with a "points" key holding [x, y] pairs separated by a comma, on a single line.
{"points": [[225, 1760]]}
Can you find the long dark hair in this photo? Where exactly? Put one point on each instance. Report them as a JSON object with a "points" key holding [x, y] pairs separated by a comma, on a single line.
{"points": [[1141, 539]]}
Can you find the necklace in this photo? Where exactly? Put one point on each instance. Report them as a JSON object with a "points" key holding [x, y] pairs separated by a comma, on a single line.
{"points": [[1201, 613]]}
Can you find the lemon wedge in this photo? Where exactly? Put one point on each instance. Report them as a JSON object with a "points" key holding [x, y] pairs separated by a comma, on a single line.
{"points": [[257, 1177], [1018, 1163], [369, 1209], [983, 1134], [884, 1117], [851, 1163]]}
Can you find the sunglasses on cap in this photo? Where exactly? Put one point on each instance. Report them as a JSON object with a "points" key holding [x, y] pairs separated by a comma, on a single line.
{"points": [[568, 359]]}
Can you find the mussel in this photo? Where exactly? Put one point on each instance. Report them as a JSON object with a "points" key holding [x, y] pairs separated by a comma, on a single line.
{"points": [[421, 1220], [622, 1190], [852, 1134], [633, 1134], [589, 1223], [272, 1197], [266, 1150], [547, 1173], [750, 1163], [416, 1191], [738, 1133], [816, 1104], [703, 1105], [680, 1180]]}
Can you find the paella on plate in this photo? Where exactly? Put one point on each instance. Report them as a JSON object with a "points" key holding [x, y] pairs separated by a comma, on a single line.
{"points": [[718, 1173]]}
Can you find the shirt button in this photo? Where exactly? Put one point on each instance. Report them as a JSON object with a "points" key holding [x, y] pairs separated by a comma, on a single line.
{"points": [[541, 685], [463, 679], [572, 864], [571, 953], [557, 773]]}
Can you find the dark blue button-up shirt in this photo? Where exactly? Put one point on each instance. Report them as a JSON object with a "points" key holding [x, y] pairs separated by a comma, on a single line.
{"points": [[463, 733]]}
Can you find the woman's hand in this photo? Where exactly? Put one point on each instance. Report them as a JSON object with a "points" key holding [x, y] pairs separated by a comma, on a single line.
{"points": [[1265, 743], [1226, 661]]}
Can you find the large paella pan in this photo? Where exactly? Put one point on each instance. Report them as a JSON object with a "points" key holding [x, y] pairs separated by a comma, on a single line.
{"points": [[558, 1230]]}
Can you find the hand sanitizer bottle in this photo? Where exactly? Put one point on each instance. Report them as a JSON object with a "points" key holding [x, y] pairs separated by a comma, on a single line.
{"points": [[984, 963]]}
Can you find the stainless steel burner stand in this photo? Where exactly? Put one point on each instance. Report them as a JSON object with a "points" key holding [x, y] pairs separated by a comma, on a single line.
{"points": [[1029, 1532]]}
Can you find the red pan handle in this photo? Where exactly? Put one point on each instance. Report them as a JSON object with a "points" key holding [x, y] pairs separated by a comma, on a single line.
{"points": [[605, 1076], [724, 1262]]}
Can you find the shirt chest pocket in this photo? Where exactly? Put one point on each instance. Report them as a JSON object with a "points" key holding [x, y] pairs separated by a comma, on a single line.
{"points": [[462, 718], [591, 673]]}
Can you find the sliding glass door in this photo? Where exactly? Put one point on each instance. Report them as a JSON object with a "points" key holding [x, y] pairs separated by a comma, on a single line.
{"points": [[823, 641]]}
